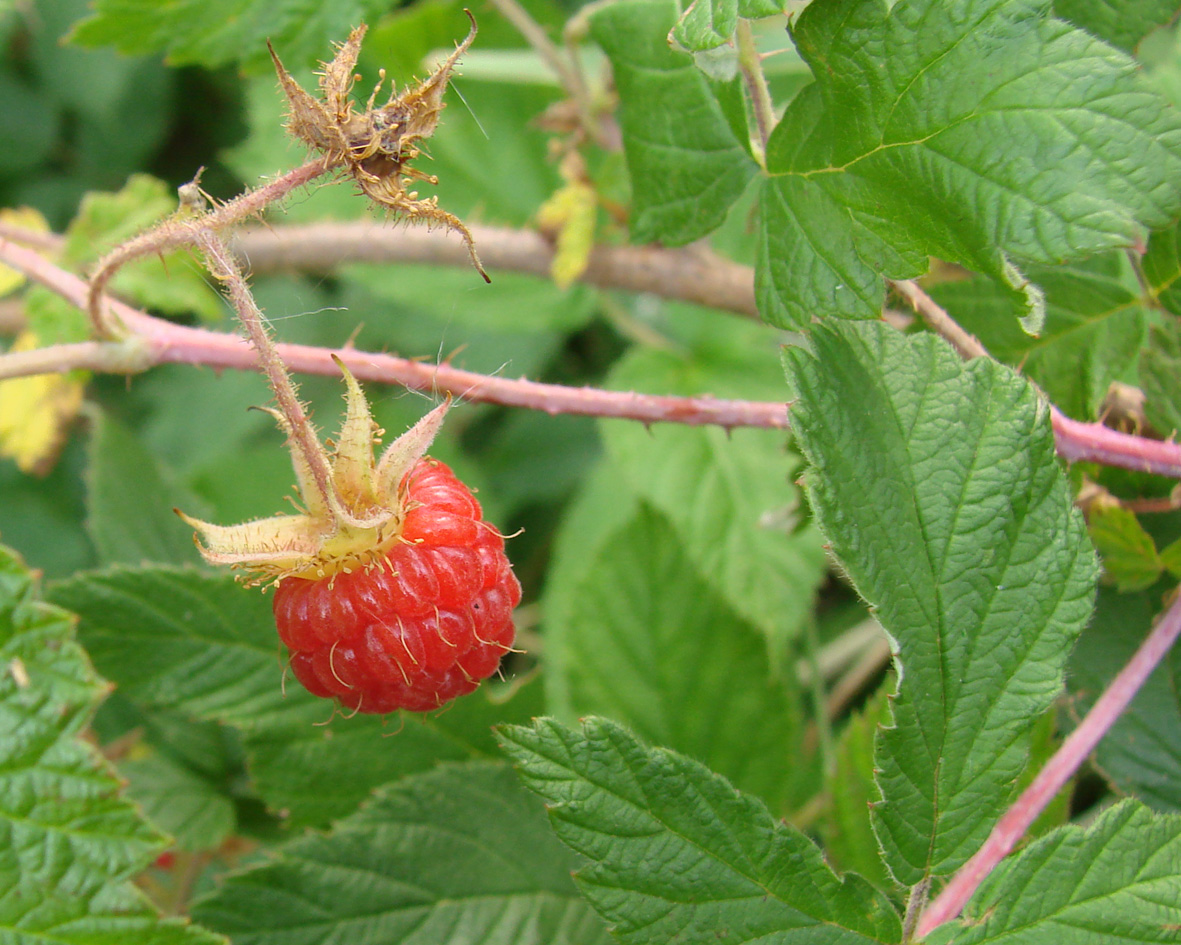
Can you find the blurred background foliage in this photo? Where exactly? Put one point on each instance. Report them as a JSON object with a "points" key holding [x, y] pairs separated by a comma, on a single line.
{"points": [[702, 516]]}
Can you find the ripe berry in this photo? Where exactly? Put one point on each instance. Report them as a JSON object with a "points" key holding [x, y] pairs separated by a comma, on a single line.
{"points": [[391, 592], [419, 627]]}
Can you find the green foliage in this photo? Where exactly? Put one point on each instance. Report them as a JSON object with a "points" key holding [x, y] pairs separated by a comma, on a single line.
{"points": [[1096, 326], [846, 827], [729, 871], [686, 165], [885, 158], [677, 584], [1118, 874], [436, 853], [213, 34], [646, 643], [1130, 557], [72, 843], [977, 526], [728, 493]]}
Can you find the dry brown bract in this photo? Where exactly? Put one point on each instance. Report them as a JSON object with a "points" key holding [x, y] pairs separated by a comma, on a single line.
{"points": [[378, 145]]}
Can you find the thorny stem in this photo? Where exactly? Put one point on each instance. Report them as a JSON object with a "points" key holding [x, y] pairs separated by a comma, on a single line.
{"points": [[1057, 772], [751, 67], [225, 269], [166, 343], [178, 231], [169, 343], [1076, 441]]}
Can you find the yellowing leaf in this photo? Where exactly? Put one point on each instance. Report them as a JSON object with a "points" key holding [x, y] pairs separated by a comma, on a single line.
{"points": [[571, 213], [35, 413], [27, 219]]}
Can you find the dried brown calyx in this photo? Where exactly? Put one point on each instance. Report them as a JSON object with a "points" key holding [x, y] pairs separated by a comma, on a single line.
{"points": [[377, 145]]}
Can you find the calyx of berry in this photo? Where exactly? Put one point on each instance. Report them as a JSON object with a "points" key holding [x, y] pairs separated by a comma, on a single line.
{"points": [[354, 505], [378, 144]]}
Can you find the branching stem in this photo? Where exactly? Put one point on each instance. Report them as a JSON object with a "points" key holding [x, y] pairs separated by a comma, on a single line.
{"points": [[225, 269], [169, 343], [1057, 772], [180, 231]]}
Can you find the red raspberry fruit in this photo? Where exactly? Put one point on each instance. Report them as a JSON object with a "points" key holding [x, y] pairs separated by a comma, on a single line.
{"points": [[419, 627], [391, 592]]}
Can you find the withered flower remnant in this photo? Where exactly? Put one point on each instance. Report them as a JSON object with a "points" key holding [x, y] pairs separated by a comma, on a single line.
{"points": [[377, 145]]}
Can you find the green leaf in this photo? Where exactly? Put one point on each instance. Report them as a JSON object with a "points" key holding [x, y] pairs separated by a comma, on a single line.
{"points": [[129, 501], [174, 284], [1160, 376], [686, 166], [1160, 363], [604, 506], [1127, 550], [1122, 23], [297, 767], [201, 644], [937, 485], [1161, 265], [1116, 880], [677, 855], [200, 32], [184, 639], [849, 840], [707, 24], [1141, 753], [987, 134], [1170, 557], [647, 642], [185, 805], [71, 844], [1095, 327], [434, 858], [729, 494]]}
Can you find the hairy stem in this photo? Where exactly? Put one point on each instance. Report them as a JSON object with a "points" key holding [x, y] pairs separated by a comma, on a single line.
{"points": [[167, 343], [751, 67], [1058, 770], [225, 269], [179, 231], [1075, 441]]}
